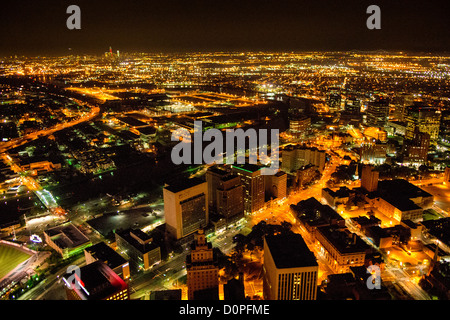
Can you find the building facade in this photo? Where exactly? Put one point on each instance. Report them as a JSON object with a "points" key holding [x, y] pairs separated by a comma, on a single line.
{"points": [[185, 206], [202, 269], [289, 269]]}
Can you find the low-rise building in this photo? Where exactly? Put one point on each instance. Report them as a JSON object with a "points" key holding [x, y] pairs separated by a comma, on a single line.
{"points": [[66, 239], [140, 247]]}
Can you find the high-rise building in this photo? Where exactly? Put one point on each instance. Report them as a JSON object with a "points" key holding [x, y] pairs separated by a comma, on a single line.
{"points": [[377, 112], [299, 125], [425, 118], [296, 157], [230, 198], [333, 99], [185, 206], [290, 268], [213, 176], [202, 270], [253, 184], [352, 105], [95, 281], [369, 178], [416, 150]]}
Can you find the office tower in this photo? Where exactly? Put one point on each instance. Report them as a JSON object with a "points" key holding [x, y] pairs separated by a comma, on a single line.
{"points": [[400, 102], [104, 253], [352, 105], [290, 268], [276, 185], [230, 198], [299, 125], [142, 250], [95, 281], [369, 178], [185, 206], [202, 270], [253, 183], [416, 150], [296, 157], [425, 118], [213, 176], [377, 112], [333, 99]]}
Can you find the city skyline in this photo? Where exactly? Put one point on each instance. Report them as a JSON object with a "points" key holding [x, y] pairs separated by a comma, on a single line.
{"points": [[230, 152]]}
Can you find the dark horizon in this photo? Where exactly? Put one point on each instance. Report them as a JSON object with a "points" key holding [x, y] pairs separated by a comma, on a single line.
{"points": [[33, 28]]}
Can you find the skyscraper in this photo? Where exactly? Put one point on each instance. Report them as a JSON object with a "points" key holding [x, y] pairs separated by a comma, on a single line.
{"points": [[290, 268], [416, 150], [377, 112], [185, 206], [230, 198], [202, 270], [352, 105], [213, 176], [333, 99], [425, 118], [253, 183]]}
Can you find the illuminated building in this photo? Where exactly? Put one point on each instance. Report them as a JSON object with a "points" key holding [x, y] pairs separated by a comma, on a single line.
{"points": [[185, 206], [400, 200], [213, 176], [230, 198], [425, 118], [377, 112], [352, 105], [140, 247], [290, 268], [333, 99], [95, 281], [341, 248], [374, 153], [369, 178], [313, 214], [304, 175], [299, 126], [337, 197], [296, 157], [102, 252], [276, 185], [376, 133], [253, 183], [202, 270], [66, 239], [416, 150]]}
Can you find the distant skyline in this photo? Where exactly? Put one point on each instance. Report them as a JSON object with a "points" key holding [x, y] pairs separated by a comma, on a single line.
{"points": [[39, 27]]}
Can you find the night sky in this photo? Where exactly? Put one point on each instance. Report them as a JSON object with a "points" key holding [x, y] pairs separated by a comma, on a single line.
{"points": [[38, 27]]}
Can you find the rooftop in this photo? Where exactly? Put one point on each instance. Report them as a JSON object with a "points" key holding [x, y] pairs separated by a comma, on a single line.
{"points": [[98, 282], [183, 184], [101, 251], [67, 236], [290, 251]]}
